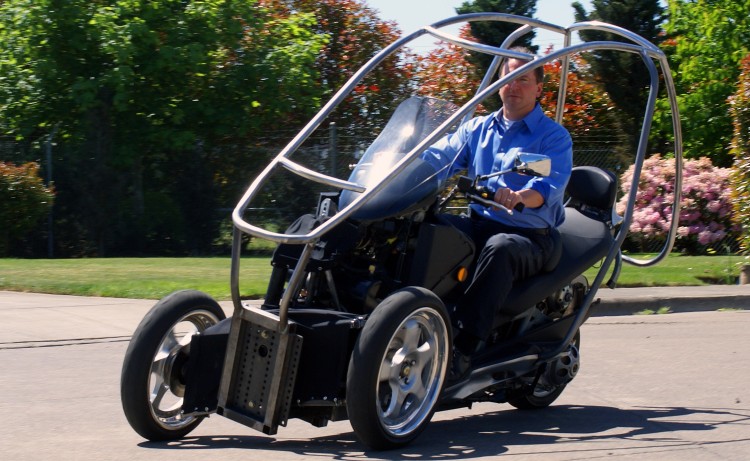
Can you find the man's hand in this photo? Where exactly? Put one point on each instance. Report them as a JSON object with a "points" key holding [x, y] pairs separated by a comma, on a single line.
{"points": [[510, 198]]}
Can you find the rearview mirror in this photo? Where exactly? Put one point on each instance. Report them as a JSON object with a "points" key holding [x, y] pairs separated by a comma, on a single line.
{"points": [[533, 164]]}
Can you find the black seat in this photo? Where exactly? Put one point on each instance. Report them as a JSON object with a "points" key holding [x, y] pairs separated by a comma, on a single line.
{"points": [[593, 192]]}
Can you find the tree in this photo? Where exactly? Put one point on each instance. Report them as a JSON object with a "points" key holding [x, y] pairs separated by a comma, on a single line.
{"points": [[24, 200], [623, 75], [707, 40], [355, 34], [145, 95], [447, 72], [494, 33], [740, 149]]}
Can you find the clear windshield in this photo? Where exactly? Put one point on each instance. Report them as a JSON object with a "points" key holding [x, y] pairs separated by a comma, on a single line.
{"points": [[413, 121]]}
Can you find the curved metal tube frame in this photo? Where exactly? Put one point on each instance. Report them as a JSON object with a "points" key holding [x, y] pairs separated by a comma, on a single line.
{"points": [[648, 52]]}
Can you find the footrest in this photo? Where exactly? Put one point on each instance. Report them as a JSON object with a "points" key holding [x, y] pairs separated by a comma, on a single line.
{"points": [[259, 371]]}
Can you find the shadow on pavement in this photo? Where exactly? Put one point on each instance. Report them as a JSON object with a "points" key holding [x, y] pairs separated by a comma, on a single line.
{"points": [[492, 433]]}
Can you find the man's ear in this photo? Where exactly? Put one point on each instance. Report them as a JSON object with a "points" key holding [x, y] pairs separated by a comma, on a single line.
{"points": [[539, 87]]}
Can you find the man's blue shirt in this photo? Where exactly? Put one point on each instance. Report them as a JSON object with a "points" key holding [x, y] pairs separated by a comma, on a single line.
{"points": [[482, 146]]}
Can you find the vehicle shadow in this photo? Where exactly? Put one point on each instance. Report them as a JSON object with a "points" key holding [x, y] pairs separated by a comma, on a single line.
{"points": [[492, 433]]}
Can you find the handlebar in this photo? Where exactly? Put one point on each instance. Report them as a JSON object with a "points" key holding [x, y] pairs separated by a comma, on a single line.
{"points": [[481, 195]]}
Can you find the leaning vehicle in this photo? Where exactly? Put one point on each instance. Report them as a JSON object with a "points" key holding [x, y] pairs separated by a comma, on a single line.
{"points": [[356, 323]]}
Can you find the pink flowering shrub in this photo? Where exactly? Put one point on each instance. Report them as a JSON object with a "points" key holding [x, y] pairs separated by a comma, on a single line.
{"points": [[705, 209]]}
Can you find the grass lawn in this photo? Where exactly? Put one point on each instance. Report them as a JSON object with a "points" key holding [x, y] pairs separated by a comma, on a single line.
{"points": [[153, 278], [680, 270], [147, 278]]}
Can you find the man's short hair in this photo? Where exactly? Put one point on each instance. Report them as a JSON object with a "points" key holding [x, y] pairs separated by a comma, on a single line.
{"points": [[538, 72]]}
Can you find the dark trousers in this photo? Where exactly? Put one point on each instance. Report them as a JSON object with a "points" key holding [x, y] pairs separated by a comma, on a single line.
{"points": [[504, 255]]}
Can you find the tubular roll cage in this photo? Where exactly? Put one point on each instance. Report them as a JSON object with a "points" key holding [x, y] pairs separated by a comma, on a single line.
{"points": [[650, 55]]}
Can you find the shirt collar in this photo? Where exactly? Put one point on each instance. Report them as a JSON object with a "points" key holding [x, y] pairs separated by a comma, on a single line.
{"points": [[532, 119]]}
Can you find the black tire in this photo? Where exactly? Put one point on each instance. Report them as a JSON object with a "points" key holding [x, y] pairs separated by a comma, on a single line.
{"points": [[398, 367], [545, 393], [150, 388]]}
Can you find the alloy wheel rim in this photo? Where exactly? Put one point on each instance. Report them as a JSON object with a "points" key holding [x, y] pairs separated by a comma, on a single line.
{"points": [[412, 372], [164, 392]]}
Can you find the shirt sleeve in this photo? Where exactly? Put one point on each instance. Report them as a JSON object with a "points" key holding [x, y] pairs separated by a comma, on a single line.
{"points": [[559, 148], [451, 153]]}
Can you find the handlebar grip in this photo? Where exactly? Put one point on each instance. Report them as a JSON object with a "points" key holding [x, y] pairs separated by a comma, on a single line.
{"points": [[519, 207]]}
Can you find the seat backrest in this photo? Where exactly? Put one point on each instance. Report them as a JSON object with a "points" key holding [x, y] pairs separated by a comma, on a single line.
{"points": [[592, 191]]}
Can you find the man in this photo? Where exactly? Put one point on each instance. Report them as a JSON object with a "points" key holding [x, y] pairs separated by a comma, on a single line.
{"points": [[513, 246]]}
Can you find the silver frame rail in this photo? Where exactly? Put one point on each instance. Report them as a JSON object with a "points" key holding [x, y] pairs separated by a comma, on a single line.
{"points": [[651, 57]]}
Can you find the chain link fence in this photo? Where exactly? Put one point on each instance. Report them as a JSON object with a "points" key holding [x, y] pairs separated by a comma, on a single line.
{"points": [[334, 151]]}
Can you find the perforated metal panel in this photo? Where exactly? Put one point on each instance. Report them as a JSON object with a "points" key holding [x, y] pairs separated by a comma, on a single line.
{"points": [[257, 390]]}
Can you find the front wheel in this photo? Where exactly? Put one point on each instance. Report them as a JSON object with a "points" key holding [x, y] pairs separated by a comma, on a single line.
{"points": [[398, 368], [151, 385]]}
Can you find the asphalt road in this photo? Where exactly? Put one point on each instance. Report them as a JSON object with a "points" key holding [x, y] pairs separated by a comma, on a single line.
{"points": [[659, 387]]}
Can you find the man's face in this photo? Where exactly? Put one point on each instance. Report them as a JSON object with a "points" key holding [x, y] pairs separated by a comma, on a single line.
{"points": [[520, 95]]}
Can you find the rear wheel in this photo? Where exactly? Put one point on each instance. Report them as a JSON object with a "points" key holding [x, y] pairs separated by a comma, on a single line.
{"points": [[151, 384], [552, 383], [398, 368]]}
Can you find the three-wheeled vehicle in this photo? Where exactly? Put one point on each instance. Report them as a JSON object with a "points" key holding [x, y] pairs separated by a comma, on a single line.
{"points": [[355, 323]]}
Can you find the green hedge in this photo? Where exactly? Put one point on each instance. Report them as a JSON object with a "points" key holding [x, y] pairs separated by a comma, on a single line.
{"points": [[740, 108], [24, 200]]}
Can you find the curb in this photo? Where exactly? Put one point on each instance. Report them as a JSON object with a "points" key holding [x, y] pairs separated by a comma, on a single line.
{"points": [[629, 301]]}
